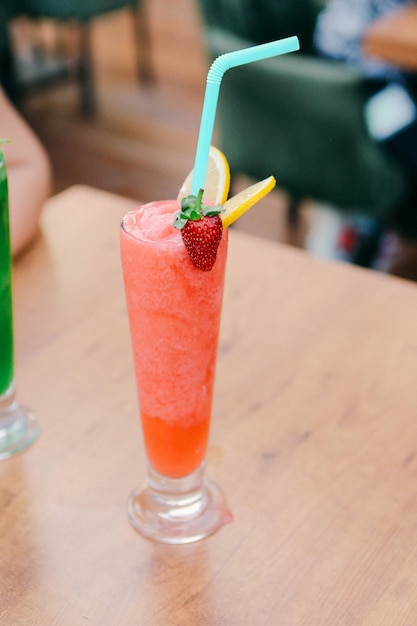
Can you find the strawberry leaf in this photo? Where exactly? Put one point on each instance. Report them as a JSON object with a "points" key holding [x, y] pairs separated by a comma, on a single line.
{"points": [[211, 211], [192, 208]]}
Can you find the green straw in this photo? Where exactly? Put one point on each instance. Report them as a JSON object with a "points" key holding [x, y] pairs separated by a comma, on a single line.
{"points": [[214, 78]]}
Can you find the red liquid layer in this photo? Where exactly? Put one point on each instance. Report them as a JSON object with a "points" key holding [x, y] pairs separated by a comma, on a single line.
{"points": [[174, 450]]}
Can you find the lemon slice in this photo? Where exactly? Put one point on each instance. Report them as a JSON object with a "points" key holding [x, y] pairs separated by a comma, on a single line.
{"points": [[244, 200], [217, 181]]}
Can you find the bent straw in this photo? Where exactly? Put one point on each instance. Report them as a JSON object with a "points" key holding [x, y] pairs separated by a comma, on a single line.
{"points": [[214, 78]]}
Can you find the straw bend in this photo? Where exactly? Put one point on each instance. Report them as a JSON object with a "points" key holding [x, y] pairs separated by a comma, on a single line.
{"points": [[255, 53], [214, 78]]}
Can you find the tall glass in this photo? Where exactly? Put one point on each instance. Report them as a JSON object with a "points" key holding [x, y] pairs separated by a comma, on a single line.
{"points": [[18, 427], [174, 313]]}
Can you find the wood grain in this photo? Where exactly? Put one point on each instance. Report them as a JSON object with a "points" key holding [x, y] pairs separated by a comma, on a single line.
{"points": [[313, 442]]}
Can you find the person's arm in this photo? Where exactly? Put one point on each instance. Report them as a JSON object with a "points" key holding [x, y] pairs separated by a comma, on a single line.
{"points": [[29, 175]]}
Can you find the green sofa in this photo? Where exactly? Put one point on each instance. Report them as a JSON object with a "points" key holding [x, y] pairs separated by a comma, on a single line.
{"points": [[298, 116]]}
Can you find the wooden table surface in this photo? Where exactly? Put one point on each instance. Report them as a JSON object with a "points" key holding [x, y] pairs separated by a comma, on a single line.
{"points": [[314, 443], [393, 38]]}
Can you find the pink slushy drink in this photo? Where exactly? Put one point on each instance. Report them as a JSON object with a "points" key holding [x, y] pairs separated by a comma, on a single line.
{"points": [[174, 312]]}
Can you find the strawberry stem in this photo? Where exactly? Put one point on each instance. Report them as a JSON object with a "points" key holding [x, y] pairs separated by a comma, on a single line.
{"points": [[199, 201], [192, 208]]}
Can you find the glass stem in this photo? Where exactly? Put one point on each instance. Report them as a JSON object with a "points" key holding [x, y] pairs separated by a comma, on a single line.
{"points": [[18, 426], [177, 510]]}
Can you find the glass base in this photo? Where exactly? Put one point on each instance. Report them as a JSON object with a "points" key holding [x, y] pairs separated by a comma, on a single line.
{"points": [[177, 510], [18, 426]]}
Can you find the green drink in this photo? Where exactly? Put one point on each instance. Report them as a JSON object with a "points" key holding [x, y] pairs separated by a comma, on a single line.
{"points": [[6, 319], [18, 426]]}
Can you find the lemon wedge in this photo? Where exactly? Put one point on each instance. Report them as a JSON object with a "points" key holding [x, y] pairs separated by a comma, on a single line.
{"points": [[217, 183], [244, 200]]}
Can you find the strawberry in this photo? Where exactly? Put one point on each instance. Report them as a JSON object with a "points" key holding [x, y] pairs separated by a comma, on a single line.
{"points": [[201, 239], [201, 230]]}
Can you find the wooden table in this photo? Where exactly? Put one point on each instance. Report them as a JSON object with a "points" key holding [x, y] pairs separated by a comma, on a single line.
{"points": [[314, 442], [393, 38]]}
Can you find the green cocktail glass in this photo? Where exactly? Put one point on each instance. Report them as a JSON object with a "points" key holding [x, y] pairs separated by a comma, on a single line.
{"points": [[18, 426]]}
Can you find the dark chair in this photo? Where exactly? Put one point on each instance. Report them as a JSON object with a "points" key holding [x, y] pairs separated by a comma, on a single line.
{"points": [[81, 13], [298, 116], [8, 10]]}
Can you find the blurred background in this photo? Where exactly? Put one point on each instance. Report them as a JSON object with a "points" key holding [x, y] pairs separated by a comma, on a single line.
{"points": [[140, 139], [115, 97]]}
